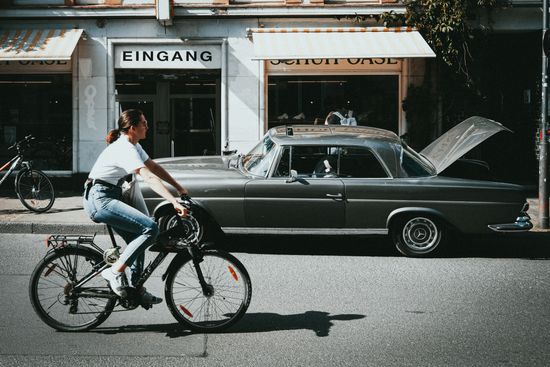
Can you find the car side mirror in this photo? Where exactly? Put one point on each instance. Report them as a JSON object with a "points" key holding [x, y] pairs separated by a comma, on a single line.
{"points": [[293, 176]]}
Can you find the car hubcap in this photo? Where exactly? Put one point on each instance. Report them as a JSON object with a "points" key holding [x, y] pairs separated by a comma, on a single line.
{"points": [[421, 234]]}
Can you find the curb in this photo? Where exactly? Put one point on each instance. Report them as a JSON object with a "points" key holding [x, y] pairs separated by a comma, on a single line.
{"points": [[49, 228]]}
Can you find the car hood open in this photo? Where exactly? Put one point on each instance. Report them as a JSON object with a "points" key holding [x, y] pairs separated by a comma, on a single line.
{"points": [[456, 142]]}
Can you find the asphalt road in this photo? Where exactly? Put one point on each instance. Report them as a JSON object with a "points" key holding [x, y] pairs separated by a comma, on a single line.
{"points": [[328, 302]]}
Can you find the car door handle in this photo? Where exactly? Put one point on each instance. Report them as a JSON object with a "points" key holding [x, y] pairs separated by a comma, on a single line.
{"points": [[337, 197]]}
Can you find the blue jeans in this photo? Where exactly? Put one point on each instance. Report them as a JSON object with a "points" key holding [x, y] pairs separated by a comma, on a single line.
{"points": [[138, 230]]}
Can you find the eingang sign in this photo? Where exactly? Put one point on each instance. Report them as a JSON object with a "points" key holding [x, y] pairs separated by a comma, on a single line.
{"points": [[167, 56]]}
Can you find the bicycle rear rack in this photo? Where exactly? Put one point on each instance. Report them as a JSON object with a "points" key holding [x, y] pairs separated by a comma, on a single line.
{"points": [[58, 241]]}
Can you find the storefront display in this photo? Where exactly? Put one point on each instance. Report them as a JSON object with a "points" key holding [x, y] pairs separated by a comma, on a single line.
{"points": [[372, 99], [40, 105]]}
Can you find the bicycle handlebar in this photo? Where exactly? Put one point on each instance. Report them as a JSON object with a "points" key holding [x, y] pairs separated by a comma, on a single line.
{"points": [[26, 140], [186, 199]]}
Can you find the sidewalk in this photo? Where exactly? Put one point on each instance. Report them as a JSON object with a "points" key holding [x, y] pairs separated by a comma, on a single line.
{"points": [[67, 216]]}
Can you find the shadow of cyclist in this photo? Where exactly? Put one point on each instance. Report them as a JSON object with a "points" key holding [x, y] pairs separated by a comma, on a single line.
{"points": [[173, 330], [317, 321]]}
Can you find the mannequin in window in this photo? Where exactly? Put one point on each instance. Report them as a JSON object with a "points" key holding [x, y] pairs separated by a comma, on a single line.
{"points": [[341, 117]]}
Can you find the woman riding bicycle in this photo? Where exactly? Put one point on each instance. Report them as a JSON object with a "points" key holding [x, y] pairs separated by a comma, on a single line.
{"points": [[103, 198]]}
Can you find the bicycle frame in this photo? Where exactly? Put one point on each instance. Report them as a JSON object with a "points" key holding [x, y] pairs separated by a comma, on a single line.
{"points": [[58, 242], [14, 163]]}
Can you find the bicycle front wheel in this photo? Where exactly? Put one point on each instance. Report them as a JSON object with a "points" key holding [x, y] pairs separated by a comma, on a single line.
{"points": [[35, 190], [54, 298], [230, 291]]}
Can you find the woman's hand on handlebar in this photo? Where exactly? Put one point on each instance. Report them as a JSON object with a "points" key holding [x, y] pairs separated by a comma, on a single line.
{"points": [[180, 209]]}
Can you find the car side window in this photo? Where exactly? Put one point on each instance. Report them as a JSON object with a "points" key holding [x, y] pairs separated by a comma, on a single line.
{"points": [[308, 161], [360, 163]]}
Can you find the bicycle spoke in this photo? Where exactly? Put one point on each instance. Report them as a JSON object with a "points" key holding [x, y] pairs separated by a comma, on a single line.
{"points": [[62, 305], [226, 304]]}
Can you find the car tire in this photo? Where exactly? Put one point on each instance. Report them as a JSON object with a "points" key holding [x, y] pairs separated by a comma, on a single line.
{"points": [[418, 235]]}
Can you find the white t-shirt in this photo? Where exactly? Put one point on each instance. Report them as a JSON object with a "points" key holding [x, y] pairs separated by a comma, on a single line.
{"points": [[117, 160]]}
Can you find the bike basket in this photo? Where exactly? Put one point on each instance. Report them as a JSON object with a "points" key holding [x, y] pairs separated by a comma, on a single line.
{"points": [[57, 241]]}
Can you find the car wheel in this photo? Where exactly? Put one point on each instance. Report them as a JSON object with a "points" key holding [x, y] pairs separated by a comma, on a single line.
{"points": [[418, 236]]}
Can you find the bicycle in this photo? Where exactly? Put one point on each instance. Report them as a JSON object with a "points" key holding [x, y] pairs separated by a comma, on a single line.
{"points": [[206, 290], [34, 189]]}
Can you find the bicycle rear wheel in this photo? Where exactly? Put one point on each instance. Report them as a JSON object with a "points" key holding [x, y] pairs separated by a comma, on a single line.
{"points": [[35, 190], [54, 299], [228, 302]]}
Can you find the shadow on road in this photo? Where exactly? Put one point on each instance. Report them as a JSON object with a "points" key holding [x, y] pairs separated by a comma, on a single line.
{"points": [[317, 321], [530, 245], [173, 330]]}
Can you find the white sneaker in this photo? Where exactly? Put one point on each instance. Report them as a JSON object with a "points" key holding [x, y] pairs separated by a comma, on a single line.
{"points": [[115, 281], [148, 299]]}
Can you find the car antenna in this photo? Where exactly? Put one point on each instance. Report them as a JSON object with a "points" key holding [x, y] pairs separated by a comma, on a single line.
{"points": [[289, 131]]}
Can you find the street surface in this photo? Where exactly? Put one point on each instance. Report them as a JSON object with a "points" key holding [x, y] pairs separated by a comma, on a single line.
{"points": [[317, 302]]}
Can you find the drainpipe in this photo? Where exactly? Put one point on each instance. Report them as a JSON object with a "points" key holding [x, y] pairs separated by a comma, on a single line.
{"points": [[225, 96], [543, 144]]}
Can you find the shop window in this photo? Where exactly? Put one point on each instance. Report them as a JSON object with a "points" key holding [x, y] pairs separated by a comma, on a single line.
{"points": [[308, 99], [256, 1], [134, 82], [38, 2], [353, 1], [40, 105], [188, 2]]}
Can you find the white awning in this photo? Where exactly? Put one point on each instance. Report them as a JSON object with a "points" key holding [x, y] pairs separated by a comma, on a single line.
{"points": [[338, 43], [38, 44]]}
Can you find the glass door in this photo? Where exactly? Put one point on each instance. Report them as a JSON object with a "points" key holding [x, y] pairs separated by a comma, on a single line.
{"points": [[194, 124]]}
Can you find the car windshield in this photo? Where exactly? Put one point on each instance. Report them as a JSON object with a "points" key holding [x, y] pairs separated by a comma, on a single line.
{"points": [[259, 159], [414, 164]]}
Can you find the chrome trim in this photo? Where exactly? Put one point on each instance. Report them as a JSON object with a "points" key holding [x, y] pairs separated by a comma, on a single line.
{"points": [[308, 231]]}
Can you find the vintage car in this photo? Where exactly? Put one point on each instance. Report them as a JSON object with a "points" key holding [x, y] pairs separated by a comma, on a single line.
{"points": [[344, 180]]}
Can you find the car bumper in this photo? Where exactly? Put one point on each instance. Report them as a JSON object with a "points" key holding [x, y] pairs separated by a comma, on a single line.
{"points": [[522, 223]]}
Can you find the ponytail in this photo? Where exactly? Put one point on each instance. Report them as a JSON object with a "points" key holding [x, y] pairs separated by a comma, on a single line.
{"points": [[126, 120], [112, 136]]}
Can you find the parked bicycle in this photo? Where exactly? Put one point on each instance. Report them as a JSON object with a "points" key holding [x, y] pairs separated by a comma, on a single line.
{"points": [[205, 289], [32, 186]]}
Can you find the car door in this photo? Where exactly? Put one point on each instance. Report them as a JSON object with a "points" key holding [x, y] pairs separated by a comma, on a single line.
{"points": [[368, 189], [312, 201]]}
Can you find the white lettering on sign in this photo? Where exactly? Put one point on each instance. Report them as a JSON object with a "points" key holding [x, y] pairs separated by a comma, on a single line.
{"points": [[168, 57]]}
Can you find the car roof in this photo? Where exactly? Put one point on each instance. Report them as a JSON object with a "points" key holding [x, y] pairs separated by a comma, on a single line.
{"points": [[330, 134]]}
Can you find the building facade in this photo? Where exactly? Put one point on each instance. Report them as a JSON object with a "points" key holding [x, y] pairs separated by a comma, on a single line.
{"points": [[209, 76]]}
